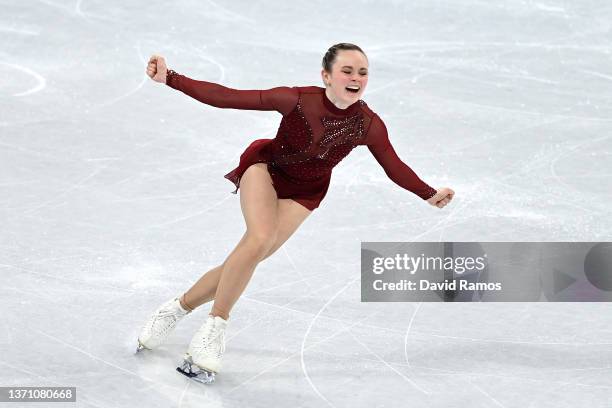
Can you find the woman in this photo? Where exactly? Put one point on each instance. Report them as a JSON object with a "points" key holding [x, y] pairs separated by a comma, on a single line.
{"points": [[281, 181]]}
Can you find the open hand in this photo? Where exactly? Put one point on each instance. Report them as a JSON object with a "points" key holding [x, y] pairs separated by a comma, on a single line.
{"points": [[157, 69], [442, 197]]}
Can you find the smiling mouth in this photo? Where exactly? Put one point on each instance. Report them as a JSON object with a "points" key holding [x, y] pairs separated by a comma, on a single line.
{"points": [[352, 90]]}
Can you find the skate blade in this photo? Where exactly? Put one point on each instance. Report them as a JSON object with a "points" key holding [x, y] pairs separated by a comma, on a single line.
{"points": [[196, 373], [140, 347]]}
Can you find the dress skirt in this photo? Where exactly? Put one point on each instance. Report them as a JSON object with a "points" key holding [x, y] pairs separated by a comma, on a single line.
{"points": [[308, 193]]}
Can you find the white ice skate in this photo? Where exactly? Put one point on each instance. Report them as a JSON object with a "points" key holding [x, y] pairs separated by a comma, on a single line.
{"points": [[203, 358], [160, 324]]}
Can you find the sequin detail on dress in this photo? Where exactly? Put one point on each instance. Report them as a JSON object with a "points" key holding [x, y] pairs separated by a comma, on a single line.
{"points": [[296, 155], [296, 145], [340, 131], [294, 138]]}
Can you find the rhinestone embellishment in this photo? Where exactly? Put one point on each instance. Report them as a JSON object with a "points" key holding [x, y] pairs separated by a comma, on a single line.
{"points": [[340, 131]]}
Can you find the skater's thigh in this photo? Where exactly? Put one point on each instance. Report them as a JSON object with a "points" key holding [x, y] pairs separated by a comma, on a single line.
{"points": [[290, 216], [259, 202]]}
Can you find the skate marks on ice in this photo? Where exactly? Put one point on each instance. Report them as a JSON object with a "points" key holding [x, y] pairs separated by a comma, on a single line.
{"points": [[304, 339], [49, 380], [77, 11], [156, 382], [41, 82]]}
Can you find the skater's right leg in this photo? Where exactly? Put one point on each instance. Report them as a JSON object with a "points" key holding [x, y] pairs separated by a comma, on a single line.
{"points": [[290, 216], [259, 203]]}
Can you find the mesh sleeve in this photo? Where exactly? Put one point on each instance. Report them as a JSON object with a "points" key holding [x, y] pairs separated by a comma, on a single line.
{"points": [[281, 99], [379, 145]]}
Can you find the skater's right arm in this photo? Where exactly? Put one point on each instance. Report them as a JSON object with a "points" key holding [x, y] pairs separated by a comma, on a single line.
{"points": [[281, 99]]}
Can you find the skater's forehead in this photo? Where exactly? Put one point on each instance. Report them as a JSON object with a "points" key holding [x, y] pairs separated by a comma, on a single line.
{"points": [[352, 59]]}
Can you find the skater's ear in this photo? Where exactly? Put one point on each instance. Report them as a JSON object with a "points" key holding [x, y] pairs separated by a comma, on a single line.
{"points": [[325, 76]]}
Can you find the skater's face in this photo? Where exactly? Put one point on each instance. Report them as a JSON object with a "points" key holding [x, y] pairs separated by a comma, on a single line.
{"points": [[350, 68]]}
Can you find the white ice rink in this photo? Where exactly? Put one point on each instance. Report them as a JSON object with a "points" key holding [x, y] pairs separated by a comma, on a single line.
{"points": [[112, 199]]}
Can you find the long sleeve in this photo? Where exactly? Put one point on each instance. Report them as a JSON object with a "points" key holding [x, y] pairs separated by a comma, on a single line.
{"points": [[379, 145], [281, 99]]}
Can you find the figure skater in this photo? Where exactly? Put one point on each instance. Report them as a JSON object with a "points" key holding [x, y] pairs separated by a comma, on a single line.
{"points": [[281, 181]]}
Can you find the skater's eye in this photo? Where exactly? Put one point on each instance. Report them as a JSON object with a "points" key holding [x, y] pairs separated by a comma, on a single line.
{"points": [[362, 73]]}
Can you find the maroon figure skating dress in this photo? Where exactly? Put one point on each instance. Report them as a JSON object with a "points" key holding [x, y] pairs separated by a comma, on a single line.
{"points": [[314, 135]]}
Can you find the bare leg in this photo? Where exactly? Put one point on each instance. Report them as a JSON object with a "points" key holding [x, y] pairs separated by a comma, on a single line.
{"points": [[258, 202], [290, 216], [270, 222], [203, 290]]}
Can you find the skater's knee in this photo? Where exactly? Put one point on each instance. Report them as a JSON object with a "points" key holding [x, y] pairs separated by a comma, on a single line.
{"points": [[261, 242]]}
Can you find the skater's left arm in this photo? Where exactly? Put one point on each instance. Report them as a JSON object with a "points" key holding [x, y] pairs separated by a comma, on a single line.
{"points": [[399, 172]]}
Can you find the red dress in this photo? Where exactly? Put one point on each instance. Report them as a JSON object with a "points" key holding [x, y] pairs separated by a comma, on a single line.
{"points": [[314, 135]]}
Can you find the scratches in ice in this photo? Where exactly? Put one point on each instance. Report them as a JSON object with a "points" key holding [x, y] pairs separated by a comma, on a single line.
{"points": [[223, 13], [186, 217], [64, 192], [22, 368], [596, 74], [483, 392], [136, 88], [386, 363], [302, 349], [284, 306], [41, 82], [93, 357], [77, 11], [547, 7], [23, 31], [569, 151], [416, 310], [202, 54]]}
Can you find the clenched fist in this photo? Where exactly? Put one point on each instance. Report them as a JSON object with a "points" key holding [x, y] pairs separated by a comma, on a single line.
{"points": [[442, 197], [156, 68]]}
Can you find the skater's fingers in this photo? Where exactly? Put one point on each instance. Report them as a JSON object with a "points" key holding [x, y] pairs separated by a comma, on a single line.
{"points": [[443, 202]]}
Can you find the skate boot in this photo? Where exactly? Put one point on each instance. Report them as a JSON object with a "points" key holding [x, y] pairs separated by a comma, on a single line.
{"points": [[203, 358], [160, 324]]}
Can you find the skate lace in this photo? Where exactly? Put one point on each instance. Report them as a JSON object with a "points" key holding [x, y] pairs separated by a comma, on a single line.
{"points": [[214, 342], [221, 349], [167, 320]]}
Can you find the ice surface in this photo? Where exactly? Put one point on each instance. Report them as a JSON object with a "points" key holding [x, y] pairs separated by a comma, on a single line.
{"points": [[113, 199]]}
